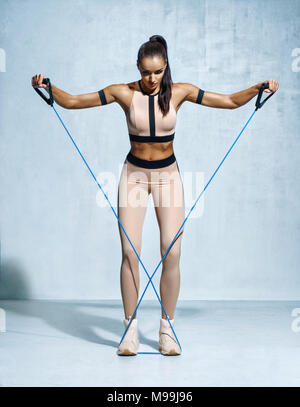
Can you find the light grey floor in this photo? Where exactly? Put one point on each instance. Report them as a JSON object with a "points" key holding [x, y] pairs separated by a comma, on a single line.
{"points": [[225, 343]]}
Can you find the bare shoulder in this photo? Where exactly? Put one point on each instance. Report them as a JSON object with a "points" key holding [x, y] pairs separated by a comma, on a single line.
{"points": [[178, 88], [187, 91], [119, 92], [183, 91]]}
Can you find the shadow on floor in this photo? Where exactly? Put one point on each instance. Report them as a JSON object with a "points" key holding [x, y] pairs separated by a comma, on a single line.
{"points": [[74, 318]]}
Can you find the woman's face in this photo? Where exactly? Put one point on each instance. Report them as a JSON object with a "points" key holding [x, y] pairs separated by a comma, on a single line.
{"points": [[152, 71]]}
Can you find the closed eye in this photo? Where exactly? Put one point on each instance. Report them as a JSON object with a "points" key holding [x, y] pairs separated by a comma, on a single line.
{"points": [[157, 72]]}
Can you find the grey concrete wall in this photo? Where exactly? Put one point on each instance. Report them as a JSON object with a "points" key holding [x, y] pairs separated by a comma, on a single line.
{"points": [[56, 240]]}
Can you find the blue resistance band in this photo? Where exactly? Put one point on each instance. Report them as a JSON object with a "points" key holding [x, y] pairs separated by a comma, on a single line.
{"points": [[50, 102]]}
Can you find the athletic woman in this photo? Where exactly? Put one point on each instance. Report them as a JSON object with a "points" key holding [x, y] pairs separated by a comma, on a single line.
{"points": [[150, 106]]}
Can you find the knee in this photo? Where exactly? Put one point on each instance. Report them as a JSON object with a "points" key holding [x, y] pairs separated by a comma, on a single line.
{"points": [[173, 254], [130, 257]]}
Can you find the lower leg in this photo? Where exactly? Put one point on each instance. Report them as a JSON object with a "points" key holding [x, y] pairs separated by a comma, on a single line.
{"points": [[130, 281], [170, 284], [169, 289]]}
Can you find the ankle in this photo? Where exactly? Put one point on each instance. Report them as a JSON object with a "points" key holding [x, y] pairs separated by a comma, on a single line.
{"points": [[129, 317], [164, 317]]}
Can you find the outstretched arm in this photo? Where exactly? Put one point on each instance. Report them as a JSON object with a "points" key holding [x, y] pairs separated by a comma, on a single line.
{"points": [[104, 96], [243, 97], [194, 94]]}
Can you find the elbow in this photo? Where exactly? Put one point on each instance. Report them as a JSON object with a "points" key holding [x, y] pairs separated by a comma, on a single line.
{"points": [[70, 103], [69, 106], [231, 103]]}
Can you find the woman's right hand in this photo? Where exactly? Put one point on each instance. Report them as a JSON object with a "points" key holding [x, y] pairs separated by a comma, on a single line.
{"points": [[37, 81]]}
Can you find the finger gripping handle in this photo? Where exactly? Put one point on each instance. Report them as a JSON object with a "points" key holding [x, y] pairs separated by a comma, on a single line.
{"points": [[50, 101], [259, 104]]}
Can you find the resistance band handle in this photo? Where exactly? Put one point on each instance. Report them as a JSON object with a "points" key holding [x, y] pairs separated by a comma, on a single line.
{"points": [[50, 101], [260, 92]]}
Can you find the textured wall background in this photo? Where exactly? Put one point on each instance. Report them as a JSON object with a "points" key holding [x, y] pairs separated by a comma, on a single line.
{"points": [[56, 241]]}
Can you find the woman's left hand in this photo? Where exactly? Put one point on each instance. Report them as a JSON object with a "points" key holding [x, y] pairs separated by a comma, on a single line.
{"points": [[273, 86]]}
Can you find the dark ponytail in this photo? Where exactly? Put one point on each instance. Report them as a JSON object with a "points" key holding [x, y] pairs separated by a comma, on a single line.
{"points": [[157, 46]]}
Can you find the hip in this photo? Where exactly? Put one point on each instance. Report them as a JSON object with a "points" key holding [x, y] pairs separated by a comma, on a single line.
{"points": [[159, 172]]}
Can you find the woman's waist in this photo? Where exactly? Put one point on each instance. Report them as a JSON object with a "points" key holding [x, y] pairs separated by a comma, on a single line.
{"points": [[170, 160], [151, 151]]}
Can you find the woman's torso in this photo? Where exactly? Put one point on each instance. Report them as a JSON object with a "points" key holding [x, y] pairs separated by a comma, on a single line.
{"points": [[144, 118]]}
